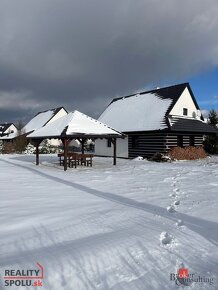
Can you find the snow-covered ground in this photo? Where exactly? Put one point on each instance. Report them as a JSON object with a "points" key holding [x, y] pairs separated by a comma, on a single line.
{"points": [[109, 227]]}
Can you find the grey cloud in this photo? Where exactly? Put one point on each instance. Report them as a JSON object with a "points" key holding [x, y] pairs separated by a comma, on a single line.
{"points": [[81, 54]]}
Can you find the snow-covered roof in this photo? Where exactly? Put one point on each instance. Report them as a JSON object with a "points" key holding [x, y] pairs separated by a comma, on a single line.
{"points": [[137, 113], [40, 120], [9, 136], [145, 111], [75, 123]]}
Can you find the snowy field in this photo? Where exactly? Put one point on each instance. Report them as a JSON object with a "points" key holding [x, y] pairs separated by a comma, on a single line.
{"points": [[105, 227]]}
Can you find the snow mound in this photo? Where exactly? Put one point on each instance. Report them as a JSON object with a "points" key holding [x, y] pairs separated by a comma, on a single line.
{"points": [[165, 238], [139, 158]]}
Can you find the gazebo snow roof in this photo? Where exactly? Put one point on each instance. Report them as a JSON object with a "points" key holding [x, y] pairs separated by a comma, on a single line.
{"points": [[75, 124]]}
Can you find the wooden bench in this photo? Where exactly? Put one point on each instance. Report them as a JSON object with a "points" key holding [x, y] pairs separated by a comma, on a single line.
{"points": [[74, 159], [86, 159]]}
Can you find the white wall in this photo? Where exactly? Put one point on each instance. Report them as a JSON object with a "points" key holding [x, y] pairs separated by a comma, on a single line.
{"points": [[61, 113], [11, 128], [185, 101], [102, 149]]}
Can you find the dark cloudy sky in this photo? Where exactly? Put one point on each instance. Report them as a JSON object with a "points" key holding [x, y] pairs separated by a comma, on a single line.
{"points": [[82, 53]]}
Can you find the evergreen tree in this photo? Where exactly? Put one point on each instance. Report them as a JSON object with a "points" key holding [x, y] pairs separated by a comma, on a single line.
{"points": [[213, 118], [211, 141], [30, 149]]}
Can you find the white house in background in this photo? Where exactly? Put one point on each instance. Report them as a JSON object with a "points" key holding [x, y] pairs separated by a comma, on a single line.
{"points": [[154, 121], [8, 131], [43, 118]]}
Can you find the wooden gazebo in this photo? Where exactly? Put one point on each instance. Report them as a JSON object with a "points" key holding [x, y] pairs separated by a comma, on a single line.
{"points": [[74, 126]]}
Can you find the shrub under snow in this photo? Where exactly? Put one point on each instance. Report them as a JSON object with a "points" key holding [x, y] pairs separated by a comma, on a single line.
{"points": [[187, 153]]}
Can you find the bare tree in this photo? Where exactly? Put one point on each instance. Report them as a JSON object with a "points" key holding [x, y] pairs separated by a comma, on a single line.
{"points": [[21, 141]]}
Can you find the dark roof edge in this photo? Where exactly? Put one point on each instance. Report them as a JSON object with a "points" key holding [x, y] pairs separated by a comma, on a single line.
{"points": [[56, 110], [149, 91], [54, 113]]}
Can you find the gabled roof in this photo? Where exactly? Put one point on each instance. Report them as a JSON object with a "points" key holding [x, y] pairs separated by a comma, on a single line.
{"points": [[7, 135], [41, 119], [4, 127], [170, 92], [145, 111], [137, 113], [72, 125]]}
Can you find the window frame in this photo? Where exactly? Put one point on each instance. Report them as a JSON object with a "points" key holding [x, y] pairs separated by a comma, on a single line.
{"points": [[185, 111], [109, 142]]}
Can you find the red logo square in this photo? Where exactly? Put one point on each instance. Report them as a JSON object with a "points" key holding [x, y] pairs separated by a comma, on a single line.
{"points": [[183, 273]]}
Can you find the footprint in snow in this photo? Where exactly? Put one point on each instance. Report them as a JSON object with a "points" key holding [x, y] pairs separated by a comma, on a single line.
{"points": [[165, 238], [176, 202], [173, 194], [176, 189], [179, 223], [171, 208]]}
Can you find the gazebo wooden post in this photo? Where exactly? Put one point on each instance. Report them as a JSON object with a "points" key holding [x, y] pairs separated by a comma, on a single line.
{"points": [[65, 153], [83, 145], [36, 144], [114, 142], [37, 154], [65, 142]]}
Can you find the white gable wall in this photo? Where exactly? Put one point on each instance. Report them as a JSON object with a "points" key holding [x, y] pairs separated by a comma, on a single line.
{"points": [[185, 101], [56, 142], [11, 128], [101, 148], [60, 114]]}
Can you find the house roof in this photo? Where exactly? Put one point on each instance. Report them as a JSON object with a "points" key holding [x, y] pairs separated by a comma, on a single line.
{"points": [[6, 136], [4, 127], [41, 119], [75, 124], [145, 111], [191, 125], [137, 113]]}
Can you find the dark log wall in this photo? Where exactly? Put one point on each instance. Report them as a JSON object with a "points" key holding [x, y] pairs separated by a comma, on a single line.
{"points": [[171, 140], [146, 145], [198, 140]]}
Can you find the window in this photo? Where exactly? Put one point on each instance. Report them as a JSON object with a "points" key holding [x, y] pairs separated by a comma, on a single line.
{"points": [[135, 142], [192, 140], [185, 112], [180, 140], [109, 142]]}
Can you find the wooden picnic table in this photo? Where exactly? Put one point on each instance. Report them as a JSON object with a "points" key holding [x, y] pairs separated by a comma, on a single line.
{"points": [[74, 159]]}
